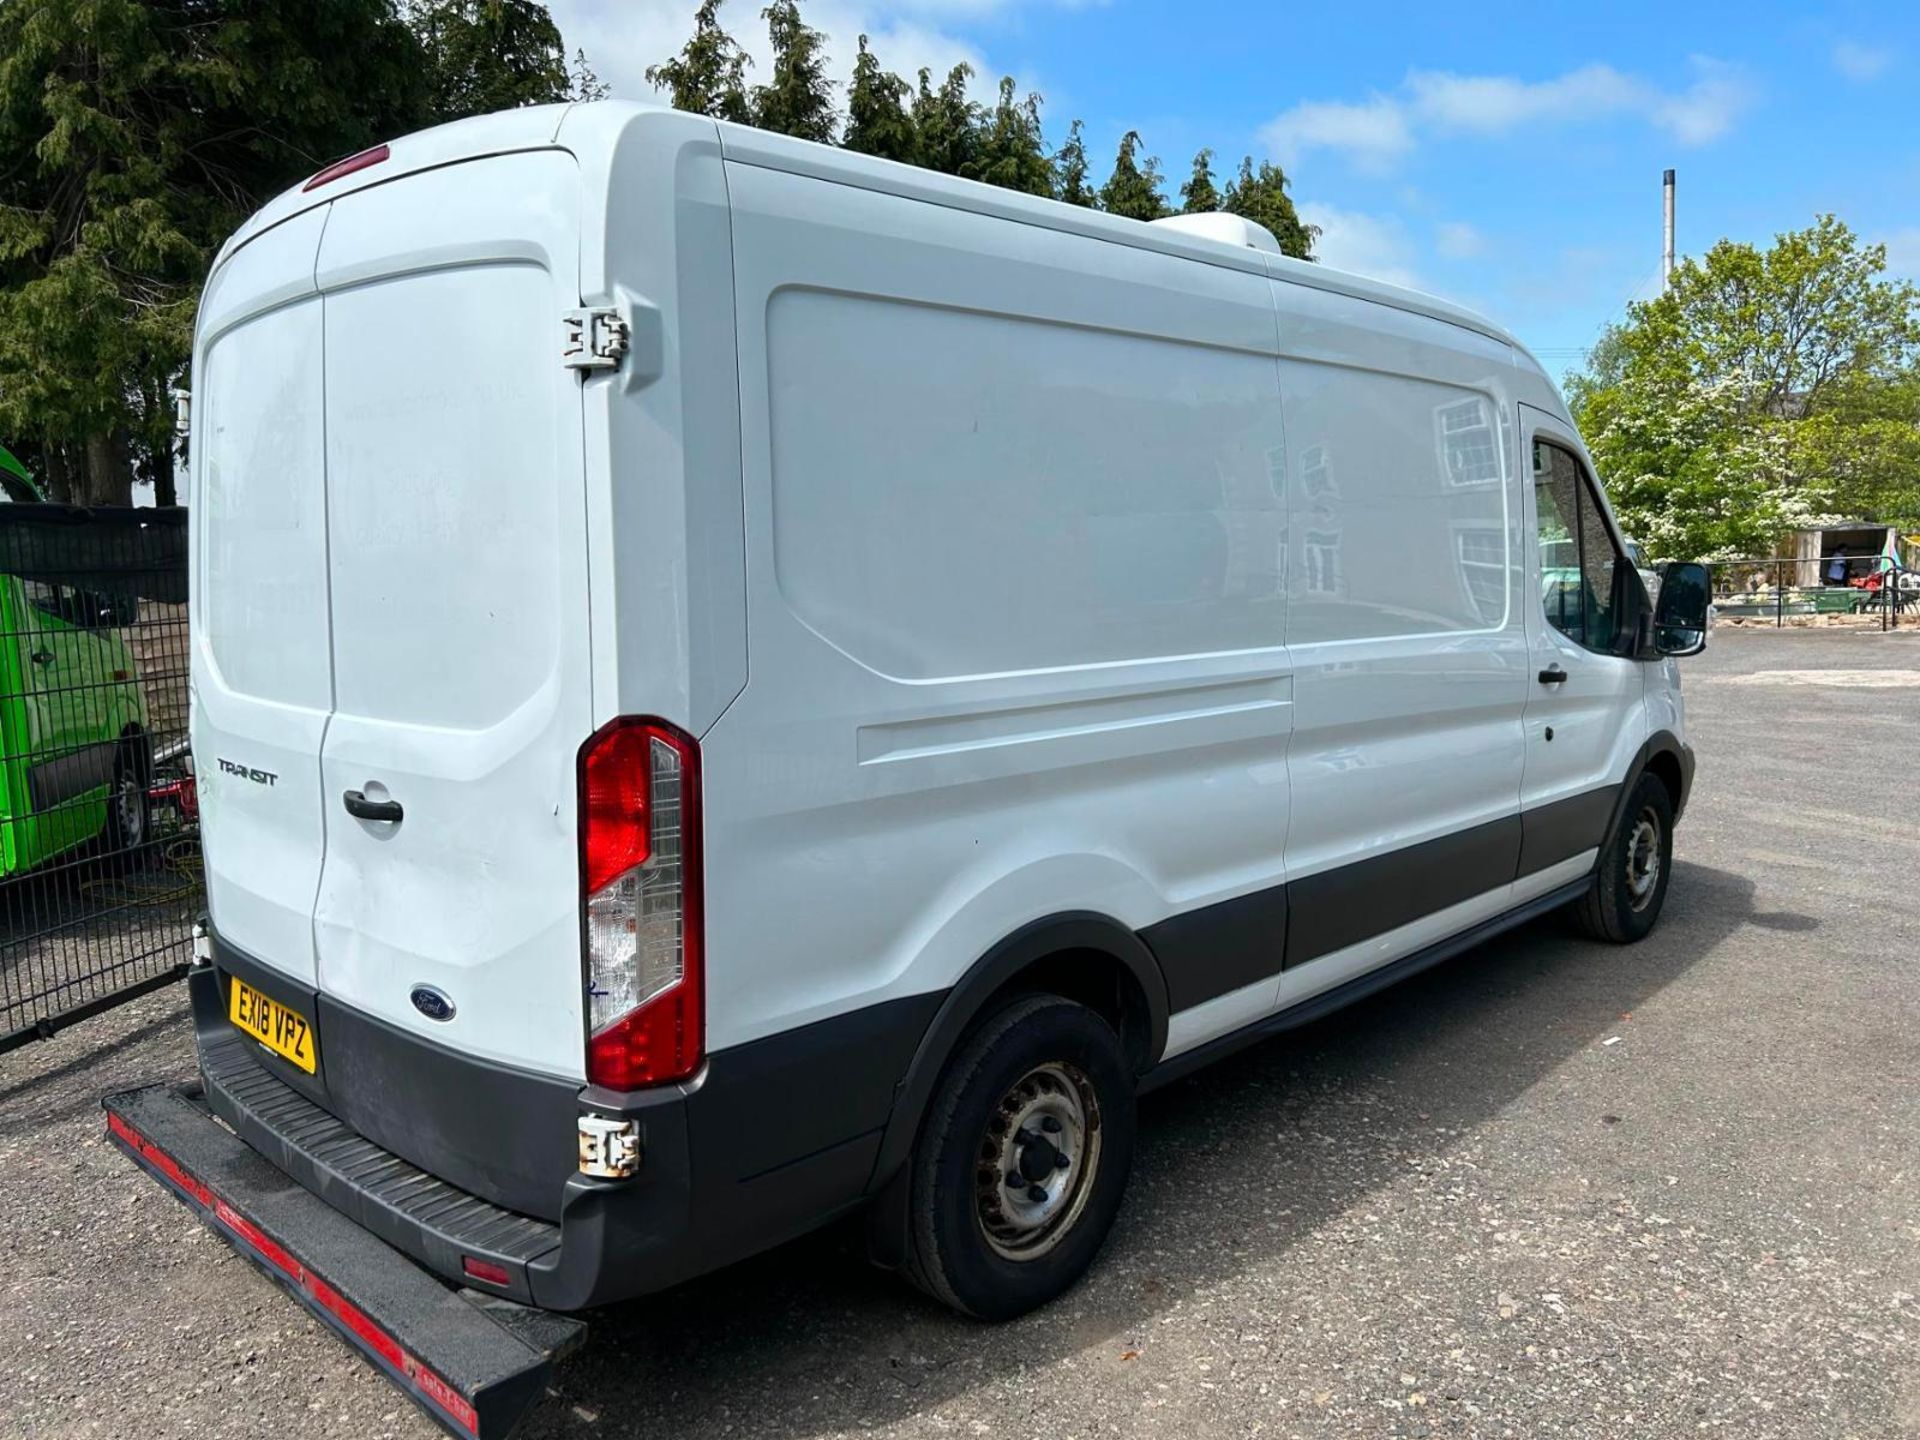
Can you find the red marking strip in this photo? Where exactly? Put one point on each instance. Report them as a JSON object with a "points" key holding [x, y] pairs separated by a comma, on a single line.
{"points": [[357, 1322], [160, 1160]]}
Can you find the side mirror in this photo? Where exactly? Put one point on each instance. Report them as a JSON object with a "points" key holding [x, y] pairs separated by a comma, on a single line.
{"points": [[1680, 615]]}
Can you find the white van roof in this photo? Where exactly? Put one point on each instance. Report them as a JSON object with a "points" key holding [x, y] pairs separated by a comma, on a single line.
{"points": [[593, 129], [525, 129]]}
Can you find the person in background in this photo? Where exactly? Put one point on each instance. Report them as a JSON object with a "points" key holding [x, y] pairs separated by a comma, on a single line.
{"points": [[1837, 567]]}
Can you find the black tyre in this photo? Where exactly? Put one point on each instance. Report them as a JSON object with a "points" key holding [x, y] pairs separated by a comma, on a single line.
{"points": [[129, 815], [1630, 879], [1019, 1168]]}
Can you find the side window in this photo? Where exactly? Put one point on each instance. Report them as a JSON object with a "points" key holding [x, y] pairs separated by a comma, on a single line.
{"points": [[48, 599], [1577, 554]]}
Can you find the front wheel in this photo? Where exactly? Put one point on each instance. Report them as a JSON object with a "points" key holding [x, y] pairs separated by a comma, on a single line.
{"points": [[1020, 1166], [1630, 878]]}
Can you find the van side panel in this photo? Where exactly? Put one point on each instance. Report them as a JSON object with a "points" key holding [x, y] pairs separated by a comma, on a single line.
{"points": [[1405, 573], [1016, 614]]}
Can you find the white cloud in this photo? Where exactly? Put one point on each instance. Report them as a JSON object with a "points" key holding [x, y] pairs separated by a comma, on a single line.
{"points": [[1457, 240], [1373, 133], [1378, 131], [1861, 63], [1376, 246], [623, 37]]}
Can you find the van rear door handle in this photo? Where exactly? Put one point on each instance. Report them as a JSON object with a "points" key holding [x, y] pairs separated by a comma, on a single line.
{"points": [[1553, 675], [361, 808]]}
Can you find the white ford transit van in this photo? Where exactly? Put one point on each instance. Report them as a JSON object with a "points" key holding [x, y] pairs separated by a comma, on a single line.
{"points": [[736, 682]]}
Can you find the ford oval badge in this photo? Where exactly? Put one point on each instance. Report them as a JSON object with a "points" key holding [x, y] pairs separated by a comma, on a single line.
{"points": [[431, 1003]]}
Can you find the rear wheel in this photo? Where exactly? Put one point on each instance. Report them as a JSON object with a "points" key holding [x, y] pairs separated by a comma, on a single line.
{"points": [[129, 818], [1630, 879], [1019, 1169]]}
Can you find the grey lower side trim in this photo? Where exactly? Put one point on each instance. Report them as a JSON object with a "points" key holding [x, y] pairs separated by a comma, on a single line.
{"points": [[1358, 988], [1220, 948], [1565, 828], [55, 781], [1356, 902]]}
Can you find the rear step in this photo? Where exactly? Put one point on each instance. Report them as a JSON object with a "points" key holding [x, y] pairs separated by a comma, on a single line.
{"points": [[476, 1365]]}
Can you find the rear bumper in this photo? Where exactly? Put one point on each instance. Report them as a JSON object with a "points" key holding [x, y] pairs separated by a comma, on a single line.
{"points": [[445, 1157], [475, 1366]]}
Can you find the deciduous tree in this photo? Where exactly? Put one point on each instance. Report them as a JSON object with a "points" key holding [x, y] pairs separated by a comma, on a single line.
{"points": [[1764, 391]]}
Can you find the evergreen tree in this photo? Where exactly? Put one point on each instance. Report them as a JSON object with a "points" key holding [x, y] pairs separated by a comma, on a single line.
{"points": [[487, 55], [947, 122], [877, 118], [1200, 194], [799, 100], [1133, 189], [583, 81], [1261, 196], [135, 136], [1012, 153], [1070, 172], [708, 76]]}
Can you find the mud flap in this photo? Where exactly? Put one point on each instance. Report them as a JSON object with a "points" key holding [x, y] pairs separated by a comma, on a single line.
{"points": [[476, 1364]]}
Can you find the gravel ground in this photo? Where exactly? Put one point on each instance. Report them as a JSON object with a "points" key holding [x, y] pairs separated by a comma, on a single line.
{"points": [[1546, 1189]]}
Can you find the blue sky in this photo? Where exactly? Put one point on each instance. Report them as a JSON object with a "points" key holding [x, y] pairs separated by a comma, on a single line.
{"points": [[1509, 158]]}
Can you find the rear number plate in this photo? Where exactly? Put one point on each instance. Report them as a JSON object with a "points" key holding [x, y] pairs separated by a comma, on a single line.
{"points": [[283, 1030]]}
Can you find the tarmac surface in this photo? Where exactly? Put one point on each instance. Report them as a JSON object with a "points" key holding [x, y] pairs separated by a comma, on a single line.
{"points": [[1549, 1188]]}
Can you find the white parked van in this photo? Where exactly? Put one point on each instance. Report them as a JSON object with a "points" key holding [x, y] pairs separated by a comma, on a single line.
{"points": [[736, 682]]}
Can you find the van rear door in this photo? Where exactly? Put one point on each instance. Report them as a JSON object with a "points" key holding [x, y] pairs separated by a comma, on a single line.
{"points": [[262, 672], [458, 604]]}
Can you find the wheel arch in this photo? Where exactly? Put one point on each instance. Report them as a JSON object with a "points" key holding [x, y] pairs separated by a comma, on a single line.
{"points": [[1664, 755], [1083, 955]]}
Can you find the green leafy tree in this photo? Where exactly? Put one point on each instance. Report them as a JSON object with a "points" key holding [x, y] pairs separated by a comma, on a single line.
{"points": [[1260, 195], [798, 100], [1012, 153], [1133, 188], [709, 75], [1764, 391], [1070, 172], [947, 122], [877, 118], [1200, 195], [487, 55], [135, 136]]}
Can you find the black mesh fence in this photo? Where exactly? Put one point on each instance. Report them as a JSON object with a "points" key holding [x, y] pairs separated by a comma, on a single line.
{"points": [[99, 821]]}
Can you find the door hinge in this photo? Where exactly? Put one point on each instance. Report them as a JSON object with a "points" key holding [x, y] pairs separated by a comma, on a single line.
{"points": [[596, 339]]}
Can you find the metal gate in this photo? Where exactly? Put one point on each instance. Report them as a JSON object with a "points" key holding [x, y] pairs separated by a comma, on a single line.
{"points": [[100, 876]]}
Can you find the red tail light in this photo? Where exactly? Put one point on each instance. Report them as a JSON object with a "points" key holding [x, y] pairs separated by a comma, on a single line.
{"points": [[640, 904], [347, 166]]}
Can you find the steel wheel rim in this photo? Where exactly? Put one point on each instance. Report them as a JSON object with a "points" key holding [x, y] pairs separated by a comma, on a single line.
{"points": [[1643, 860], [1036, 1162], [131, 814]]}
